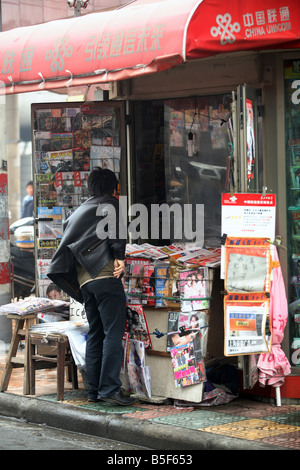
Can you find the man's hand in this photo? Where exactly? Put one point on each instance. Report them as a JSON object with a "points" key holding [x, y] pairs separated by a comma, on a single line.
{"points": [[119, 267]]}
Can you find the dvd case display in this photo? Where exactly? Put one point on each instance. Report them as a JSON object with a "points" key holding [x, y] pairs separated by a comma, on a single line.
{"points": [[69, 140]]}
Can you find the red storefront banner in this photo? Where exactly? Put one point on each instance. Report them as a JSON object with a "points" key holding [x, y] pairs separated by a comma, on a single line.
{"points": [[146, 36], [222, 26]]}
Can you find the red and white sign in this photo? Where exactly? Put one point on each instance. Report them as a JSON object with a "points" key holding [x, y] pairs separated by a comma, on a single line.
{"points": [[248, 215], [222, 26]]}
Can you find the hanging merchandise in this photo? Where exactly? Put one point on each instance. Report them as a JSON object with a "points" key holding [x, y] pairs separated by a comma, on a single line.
{"points": [[248, 264], [248, 267], [273, 366], [247, 324], [138, 373], [69, 140], [180, 280], [187, 369], [184, 328], [137, 326], [194, 285]]}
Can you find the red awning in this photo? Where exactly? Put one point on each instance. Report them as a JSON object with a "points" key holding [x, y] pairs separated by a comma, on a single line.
{"points": [[146, 36], [220, 26]]}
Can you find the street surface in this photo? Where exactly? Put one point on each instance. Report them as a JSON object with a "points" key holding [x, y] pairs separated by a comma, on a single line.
{"points": [[19, 435]]}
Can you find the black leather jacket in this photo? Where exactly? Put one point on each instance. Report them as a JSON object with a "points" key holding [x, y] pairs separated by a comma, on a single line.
{"points": [[88, 241]]}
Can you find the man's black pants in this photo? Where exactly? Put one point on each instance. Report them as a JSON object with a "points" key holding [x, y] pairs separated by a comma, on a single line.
{"points": [[105, 306]]}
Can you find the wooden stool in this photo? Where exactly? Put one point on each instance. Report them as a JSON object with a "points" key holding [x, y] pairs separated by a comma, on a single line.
{"points": [[21, 331], [59, 357]]}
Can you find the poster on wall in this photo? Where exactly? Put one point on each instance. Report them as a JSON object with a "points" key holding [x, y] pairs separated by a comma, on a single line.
{"points": [[176, 129], [250, 140]]}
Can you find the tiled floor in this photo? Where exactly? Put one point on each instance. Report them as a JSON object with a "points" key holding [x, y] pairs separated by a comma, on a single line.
{"points": [[241, 419]]}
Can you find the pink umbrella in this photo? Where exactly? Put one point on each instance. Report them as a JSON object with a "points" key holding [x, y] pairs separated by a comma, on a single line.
{"points": [[274, 366]]}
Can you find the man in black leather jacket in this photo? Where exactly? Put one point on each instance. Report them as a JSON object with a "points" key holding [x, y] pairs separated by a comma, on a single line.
{"points": [[87, 265]]}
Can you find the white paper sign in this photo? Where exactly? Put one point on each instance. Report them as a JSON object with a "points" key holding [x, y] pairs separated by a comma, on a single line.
{"points": [[248, 215]]}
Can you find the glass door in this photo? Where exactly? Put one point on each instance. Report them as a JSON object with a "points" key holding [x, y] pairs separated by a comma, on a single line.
{"points": [[292, 142]]}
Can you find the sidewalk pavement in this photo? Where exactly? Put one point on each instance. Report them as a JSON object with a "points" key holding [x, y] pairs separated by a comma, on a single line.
{"points": [[239, 425]]}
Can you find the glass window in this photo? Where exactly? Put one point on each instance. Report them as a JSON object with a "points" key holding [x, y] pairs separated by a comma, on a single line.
{"points": [[292, 138], [181, 160]]}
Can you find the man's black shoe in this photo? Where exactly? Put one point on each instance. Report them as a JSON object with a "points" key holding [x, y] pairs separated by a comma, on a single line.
{"points": [[119, 399], [93, 399]]}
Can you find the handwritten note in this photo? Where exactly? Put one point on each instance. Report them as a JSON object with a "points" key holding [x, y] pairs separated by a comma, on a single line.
{"points": [[246, 273]]}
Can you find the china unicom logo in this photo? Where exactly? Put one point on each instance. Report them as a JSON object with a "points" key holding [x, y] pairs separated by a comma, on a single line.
{"points": [[225, 29], [57, 55]]}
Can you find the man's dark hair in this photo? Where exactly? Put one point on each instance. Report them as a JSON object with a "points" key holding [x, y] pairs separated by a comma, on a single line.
{"points": [[52, 287], [102, 182]]}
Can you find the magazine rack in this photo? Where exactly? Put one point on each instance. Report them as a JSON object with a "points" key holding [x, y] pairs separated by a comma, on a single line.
{"points": [[69, 141], [163, 297]]}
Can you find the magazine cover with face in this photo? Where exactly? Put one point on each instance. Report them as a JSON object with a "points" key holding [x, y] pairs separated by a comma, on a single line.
{"points": [[194, 285]]}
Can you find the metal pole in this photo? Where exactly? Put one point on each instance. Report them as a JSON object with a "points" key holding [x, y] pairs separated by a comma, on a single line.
{"points": [[77, 8], [0, 16], [77, 5]]}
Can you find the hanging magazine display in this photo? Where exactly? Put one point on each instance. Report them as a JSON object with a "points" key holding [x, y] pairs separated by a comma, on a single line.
{"points": [[136, 325], [69, 140], [186, 368], [50, 223], [137, 372], [194, 326], [194, 285], [247, 265], [247, 324]]}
